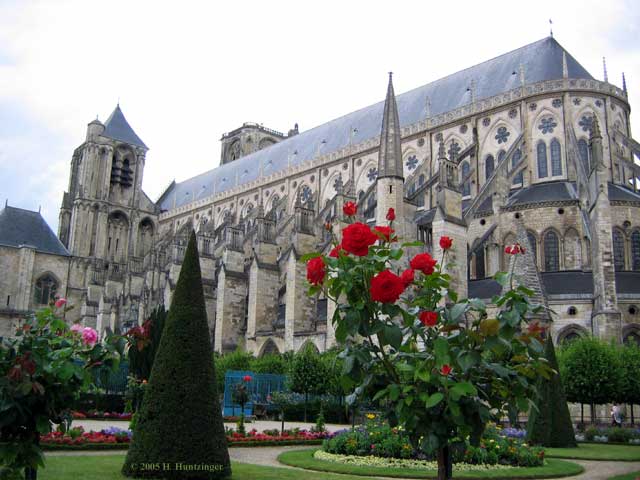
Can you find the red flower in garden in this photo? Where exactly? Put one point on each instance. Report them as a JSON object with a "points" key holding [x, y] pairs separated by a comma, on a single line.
{"points": [[328, 227], [349, 209], [445, 370], [429, 319], [247, 378], [316, 270], [445, 243], [423, 262], [386, 233], [514, 249], [391, 215], [357, 238], [61, 302], [386, 287], [407, 276], [534, 328], [335, 252]]}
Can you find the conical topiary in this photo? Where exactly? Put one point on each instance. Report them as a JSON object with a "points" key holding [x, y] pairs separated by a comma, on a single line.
{"points": [[550, 425], [179, 431]]}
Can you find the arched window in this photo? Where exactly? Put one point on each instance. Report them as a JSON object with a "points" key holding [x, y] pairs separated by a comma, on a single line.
{"points": [[421, 179], [45, 291], [541, 151], [635, 250], [534, 246], [466, 188], [515, 161], [551, 252], [632, 337], [480, 273], [583, 149], [489, 165], [501, 155], [618, 249], [556, 158], [569, 337]]}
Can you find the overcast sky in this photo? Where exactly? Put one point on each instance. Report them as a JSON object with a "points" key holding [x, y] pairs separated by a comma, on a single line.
{"points": [[186, 72]]}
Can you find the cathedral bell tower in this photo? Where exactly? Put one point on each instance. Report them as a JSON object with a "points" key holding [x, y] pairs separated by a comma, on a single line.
{"points": [[390, 181]]}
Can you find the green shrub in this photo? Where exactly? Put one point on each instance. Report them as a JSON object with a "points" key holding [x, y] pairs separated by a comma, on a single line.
{"points": [[591, 432], [237, 360], [273, 364], [619, 435]]}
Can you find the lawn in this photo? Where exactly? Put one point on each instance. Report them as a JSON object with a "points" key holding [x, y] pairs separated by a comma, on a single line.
{"points": [[107, 467], [598, 451], [304, 459], [628, 476]]}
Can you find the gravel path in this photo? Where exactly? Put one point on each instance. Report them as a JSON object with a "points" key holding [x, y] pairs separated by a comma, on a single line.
{"points": [[599, 470]]}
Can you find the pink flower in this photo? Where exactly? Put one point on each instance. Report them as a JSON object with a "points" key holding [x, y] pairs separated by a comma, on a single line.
{"points": [[76, 328], [89, 336], [61, 302]]}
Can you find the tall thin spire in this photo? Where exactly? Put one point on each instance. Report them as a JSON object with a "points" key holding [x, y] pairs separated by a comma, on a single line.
{"points": [[565, 68], [390, 156], [624, 84], [604, 68]]}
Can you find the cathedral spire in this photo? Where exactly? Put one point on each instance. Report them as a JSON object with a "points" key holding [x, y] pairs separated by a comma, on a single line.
{"points": [[390, 156], [565, 68], [624, 84], [604, 68]]}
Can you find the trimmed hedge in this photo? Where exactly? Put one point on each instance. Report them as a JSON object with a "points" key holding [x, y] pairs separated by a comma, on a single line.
{"points": [[125, 446], [180, 422]]}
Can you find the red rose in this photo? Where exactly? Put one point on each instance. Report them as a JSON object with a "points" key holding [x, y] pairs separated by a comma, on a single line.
{"points": [[391, 215], [423, 262], [385, 232], [445, 243], [386, 287], [429, 319], [247, 378], [357, 238], [316, 271], [349, 209], [513, 249], [335, 252], [407, 276], [445, 370]]}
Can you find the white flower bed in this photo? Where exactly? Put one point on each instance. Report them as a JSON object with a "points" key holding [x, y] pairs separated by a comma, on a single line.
{"points": [[371, 461]]}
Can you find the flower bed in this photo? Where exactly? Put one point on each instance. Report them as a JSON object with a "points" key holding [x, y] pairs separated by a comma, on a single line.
{"points": [[98, 415], [116, 438]]}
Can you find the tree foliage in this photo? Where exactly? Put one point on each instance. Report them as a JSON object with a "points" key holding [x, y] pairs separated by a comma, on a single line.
{"points": [[180, 421], [630, 374], [308, 374], [143, 343]]}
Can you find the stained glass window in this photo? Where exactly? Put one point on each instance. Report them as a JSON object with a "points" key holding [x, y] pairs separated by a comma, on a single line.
{"points": [[583, 150], [534, 246], [618, 249], [515, 161], [635, 250], [480, 263], [45, 291], [466, 188], [551, 252], [489, 165], [556, 158], [542, 159]]}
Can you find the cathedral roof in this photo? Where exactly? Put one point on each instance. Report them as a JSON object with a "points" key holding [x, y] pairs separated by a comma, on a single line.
{"points": [[118, 128], [543, 192], [622, 194], [24, 227], [542, 60]]}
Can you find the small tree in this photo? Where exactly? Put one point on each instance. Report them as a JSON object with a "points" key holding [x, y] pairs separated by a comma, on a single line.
{"points": [[550, 421], [179, 426], [308, 375], [630, 376], [236, 360]]}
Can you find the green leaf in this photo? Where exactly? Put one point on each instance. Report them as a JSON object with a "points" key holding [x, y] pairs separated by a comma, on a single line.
{"points": [[466, 360], [66, 371], [393, 336], [380, 394], [503, 278], [413, 244], [464, 388], [456, 312], [441, 348], [308, 256], [394, 392], [434, 399]]}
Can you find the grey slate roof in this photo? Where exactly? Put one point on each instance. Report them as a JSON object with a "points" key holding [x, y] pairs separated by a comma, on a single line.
{"points": [[543, 192], [622, 194], [484, 288], [542, 61], [24, 227], [567, 282], [628, 282], [424, 217], [118, 128]]}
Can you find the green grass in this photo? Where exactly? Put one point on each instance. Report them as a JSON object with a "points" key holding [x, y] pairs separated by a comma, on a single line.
{"points": [[88, 467], [627, 476], [598, 451], [552, 469]]}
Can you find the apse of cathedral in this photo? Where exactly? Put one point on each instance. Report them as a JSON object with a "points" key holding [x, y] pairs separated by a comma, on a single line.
{"points": [[527, 147]]}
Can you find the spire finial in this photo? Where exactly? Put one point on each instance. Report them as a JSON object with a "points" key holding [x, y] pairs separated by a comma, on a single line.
{"points": [[427, 107], [390, 75], [550, 27], [604, 68], [624, 84], [565, 67], [442, 154], [390, 156], [595, 128], [6, 202]]}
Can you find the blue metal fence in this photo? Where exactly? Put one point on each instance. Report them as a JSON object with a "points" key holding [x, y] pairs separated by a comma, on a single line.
{"points": [[260, 388]]}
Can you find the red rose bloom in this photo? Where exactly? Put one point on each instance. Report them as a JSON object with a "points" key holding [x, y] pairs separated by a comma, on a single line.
{"points": [[513, 249], [386, 287], [407, 276], [349, 209], [247, 378], [335, 252], [429, 319], [357, 238], [423, 262], [391, 215], [445, 370], [445, 243], [316, 270], [386, 233]]}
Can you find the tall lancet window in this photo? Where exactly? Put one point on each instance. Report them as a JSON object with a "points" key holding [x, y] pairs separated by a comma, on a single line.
{"points": [[489, 165], [635, 250], [583, 149], [551, 252], [618, 249], [515, 161], [466, 187], [541, 153], [556, 158]]}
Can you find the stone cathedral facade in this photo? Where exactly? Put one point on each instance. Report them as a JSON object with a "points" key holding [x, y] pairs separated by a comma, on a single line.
{"points": [[525, 147]]}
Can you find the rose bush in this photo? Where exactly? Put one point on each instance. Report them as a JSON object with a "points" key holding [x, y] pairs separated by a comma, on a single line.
{"points": [[440, 382], [42, 370]]}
